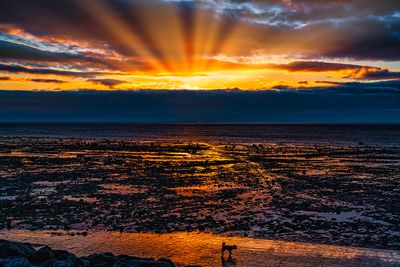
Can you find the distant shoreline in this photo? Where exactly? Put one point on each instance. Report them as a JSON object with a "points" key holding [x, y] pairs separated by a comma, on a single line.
{"points": [[342, 134], [202, 123]]}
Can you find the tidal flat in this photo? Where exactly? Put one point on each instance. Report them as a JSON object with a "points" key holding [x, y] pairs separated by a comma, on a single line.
{"points": [[318, 193]]}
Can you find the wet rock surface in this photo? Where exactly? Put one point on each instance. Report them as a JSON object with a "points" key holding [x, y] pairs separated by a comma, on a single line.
{"points": [[14, 249], [320, 193], [24, 255]]}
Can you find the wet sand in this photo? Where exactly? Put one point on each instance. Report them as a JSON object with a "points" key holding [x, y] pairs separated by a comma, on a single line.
{"points": [[204, 249], [327, 194]]}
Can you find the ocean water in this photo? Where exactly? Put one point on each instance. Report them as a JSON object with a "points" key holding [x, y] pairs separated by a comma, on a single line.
{"points": [[387, 135]]}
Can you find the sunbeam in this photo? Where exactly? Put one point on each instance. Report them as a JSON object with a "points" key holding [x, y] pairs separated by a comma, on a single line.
{"points": [[137, 44], [178, 44]]}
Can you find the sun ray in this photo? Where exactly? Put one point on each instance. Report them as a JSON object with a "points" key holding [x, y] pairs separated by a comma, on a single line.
{"points": [[162, 28], [187, 15], [207, 27], [104, 15]]}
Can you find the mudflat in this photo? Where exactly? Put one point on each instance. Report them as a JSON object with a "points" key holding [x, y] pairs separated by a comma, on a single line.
{"points": [[320, 193]]}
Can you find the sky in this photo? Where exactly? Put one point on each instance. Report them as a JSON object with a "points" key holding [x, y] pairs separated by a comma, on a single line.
{"points": [[218, 60]]}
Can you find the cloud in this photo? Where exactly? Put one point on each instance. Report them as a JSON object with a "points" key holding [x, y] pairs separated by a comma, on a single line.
{"points": [[43, 71], [26, 48], [333, 28], [346, 102], [371, 38], [36, 80], [111, 83], [47, 81], [315, 66], [375, 74], [9, 50], [353, 71]]}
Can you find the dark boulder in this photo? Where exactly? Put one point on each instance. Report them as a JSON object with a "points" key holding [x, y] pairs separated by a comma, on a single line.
{"points": [[63, 255], [42, 255], [127, 261], [168, 261], [100, 260], [15, 262], [24, 255], [14, 249], [70, 262]]}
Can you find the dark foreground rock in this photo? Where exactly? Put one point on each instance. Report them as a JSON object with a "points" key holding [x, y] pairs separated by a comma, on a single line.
{"points": [[13, 254]]}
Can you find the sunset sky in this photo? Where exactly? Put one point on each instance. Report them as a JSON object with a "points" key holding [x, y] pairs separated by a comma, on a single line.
{"points": [[263, 45]]}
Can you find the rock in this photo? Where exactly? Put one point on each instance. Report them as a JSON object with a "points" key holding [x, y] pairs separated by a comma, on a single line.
{"points": [[139, 263], [64, 255], [42, 255], [15, 262], [14, 249], [24, 255], [100, 260], [167, 261], [70, 262], [127, 261]]}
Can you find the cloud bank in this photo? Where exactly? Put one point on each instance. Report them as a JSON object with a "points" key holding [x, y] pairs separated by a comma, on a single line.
{"points": [[347, 102]]}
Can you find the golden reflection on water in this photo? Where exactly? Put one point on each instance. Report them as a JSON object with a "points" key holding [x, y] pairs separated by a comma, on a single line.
{"points": [[204, 249]]}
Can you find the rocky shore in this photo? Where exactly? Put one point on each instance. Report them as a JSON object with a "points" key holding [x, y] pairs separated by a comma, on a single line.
{"points": [[25, 254]]}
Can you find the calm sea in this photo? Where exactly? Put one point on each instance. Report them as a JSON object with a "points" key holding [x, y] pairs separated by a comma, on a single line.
{"points": [[341, 134]]}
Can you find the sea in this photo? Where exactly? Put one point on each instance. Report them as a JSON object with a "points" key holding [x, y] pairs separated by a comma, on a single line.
{"points": [[383, 135]]}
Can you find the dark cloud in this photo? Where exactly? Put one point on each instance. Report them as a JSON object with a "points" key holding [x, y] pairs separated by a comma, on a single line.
{"points": [[355, 71], [383, 88], [334, 28], [47, 81], [9, 50], [26, 70], [316, 66], [371, 38], [377, 74], [345, 102], [75, 20], [36, 80], [111, 83]]}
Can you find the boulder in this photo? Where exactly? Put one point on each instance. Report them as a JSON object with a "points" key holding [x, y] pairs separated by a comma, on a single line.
{"points": [[14, 249], [15, 262], [14, 254], [168, 261], [127, 261], [64, 255], [42, 255], [70, 262], [100, 260]]}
